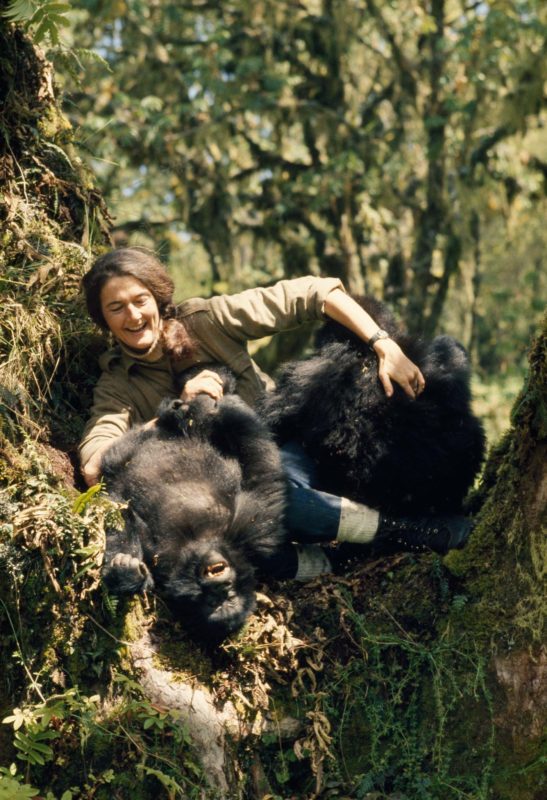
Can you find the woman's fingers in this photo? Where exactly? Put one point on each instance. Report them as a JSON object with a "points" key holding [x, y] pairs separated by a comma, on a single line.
{"points": [[413, 385], [395, 367], [207, 373], [206, 382], [418, 383], [385, 381]]}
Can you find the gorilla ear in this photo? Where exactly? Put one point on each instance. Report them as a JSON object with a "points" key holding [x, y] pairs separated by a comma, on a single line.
{"points": [[446, 356]]}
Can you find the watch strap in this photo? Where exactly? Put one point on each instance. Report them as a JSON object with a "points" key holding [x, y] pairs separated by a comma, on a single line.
{"points": [[380, 334]]}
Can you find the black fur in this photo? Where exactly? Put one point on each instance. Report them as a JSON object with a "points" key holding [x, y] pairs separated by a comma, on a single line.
{"points": [[205, 494], [400, 455]]}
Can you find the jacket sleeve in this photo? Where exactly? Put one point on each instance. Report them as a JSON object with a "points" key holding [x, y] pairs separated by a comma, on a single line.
{"points": [[111, 417], [255, 313]]}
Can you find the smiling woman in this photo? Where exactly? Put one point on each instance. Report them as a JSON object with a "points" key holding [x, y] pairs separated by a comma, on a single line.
{"points": [[131, 312], [128, 289]]}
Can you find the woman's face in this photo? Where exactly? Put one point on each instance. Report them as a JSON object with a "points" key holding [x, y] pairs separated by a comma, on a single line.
{"points": [[131, 312]]}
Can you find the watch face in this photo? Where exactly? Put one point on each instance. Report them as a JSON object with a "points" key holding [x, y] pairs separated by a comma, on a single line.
{"points": [[380, 334]]}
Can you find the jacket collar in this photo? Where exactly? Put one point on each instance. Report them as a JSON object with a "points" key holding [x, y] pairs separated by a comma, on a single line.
{"points": [[121, 355]]}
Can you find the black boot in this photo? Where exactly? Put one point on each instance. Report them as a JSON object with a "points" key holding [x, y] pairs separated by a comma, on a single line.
{"points": [[346, 557], [420, 534]]}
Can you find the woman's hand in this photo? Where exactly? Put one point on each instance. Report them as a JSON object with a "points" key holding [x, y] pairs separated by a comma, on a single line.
{"points": [[395, 366], [91, 471], [205, 382]]}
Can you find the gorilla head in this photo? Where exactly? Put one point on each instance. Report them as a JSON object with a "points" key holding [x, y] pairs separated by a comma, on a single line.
{"points": [[205, 496]]}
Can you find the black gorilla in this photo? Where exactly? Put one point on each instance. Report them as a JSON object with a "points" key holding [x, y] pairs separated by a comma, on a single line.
{"points": [[400, 455], [205, 497]]}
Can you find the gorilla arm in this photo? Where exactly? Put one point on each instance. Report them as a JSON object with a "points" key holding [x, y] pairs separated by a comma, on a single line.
{"points": [[92, 469], [238, 432], [124, 570]]}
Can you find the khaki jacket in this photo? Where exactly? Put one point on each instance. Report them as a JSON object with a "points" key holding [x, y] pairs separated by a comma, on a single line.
{"points": [[130, 390]]}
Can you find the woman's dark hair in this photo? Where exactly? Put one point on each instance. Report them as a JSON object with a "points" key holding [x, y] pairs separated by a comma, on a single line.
{"points": [[146, 268]]}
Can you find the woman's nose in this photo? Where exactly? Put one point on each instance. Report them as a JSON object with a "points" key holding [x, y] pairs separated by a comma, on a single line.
{"points": [[133, 312]]}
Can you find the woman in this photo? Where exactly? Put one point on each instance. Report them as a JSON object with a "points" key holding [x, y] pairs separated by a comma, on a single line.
{"points": [[129, 293]]}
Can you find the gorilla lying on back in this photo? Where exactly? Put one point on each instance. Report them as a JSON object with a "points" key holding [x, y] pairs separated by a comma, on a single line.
{"points": [[399, 455], [205, 497]]}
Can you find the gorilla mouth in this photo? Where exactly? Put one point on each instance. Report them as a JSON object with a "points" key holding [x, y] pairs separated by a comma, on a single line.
{"points": [[215, 570]]}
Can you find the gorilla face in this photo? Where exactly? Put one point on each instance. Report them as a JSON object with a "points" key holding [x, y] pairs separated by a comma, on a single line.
{"points": [[210, 588], [205, 495]]}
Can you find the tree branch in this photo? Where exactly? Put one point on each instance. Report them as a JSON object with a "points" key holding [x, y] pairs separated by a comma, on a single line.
{"points": [[402, 62]]}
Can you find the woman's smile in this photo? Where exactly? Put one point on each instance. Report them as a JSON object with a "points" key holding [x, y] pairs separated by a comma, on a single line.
{"points": [[131, 312]]}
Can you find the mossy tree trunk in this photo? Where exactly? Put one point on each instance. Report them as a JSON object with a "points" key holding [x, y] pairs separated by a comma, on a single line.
{"points": [[51, 220]]}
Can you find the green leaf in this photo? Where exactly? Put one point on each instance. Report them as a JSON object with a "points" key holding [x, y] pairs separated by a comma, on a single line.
{"points": [[19, 11], [40, 14], [84, 54], [58, 20], [38, 747], [41, 31], [83, 499], [11, 789]]}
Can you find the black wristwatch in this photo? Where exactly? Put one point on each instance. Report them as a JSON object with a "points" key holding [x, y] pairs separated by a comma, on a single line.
{"points": [[380, 334]]}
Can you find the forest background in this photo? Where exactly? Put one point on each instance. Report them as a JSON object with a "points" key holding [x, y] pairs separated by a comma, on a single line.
{"points": [[398, 145]]}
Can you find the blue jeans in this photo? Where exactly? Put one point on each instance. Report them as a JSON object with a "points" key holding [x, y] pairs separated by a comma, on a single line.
{"points": [[311, 515]]}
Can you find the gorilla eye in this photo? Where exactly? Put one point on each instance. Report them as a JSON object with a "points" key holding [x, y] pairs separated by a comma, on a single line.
{"points": [[215, 570]]}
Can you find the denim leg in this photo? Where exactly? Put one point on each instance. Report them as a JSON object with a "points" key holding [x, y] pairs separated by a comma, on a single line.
{"points": [[312, 515]]}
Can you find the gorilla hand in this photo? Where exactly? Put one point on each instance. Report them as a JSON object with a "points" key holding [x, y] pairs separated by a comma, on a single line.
{"points": [[126, 574]]}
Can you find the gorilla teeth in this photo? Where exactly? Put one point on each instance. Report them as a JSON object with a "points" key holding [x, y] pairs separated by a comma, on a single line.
{"points": [[215, 570]]}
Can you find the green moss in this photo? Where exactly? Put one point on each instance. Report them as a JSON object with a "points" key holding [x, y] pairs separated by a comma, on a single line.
{"points": [[54, 126]]}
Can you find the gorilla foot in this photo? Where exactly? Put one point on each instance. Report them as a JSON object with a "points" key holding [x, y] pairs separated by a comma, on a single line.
{"points": [[187, 418], [127, 574], [421, 534]]}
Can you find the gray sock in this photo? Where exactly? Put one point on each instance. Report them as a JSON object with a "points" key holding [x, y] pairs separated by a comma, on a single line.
{"points": [[358, 523], [312, 561]]}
